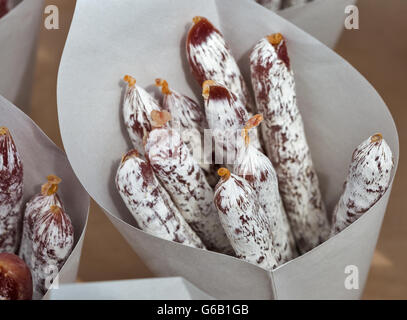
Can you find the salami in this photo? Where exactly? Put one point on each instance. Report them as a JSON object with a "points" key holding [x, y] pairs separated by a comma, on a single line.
{"points": [[3, 7], [185, 111], [15, 278], [293, 3], [285, 141], [189, 118], [7, 5], [270, 4], [150, 204], [35, 208], [368, 179], [137, 107], [257, 169], [226, 118], [11, 193], [210, 58], [185, 181], [53, 239], [241, 216]]}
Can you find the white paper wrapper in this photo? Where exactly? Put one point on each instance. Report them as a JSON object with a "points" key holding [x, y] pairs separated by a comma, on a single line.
{"points": [[147, 40], [175, 288], [18, 37], [323, 19], [42, 157]]}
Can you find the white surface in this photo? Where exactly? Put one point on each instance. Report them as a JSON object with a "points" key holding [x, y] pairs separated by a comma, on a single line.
{"points": [[143, 289], [147, 40], [323, 19], [41, 157], [18, 37]]}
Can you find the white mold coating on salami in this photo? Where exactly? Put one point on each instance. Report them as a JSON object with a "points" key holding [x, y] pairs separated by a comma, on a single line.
{"points": [[257, 169], [240, 215], [226, 118], [137, 107], [368, 179], [53, 239], [211, 59], [286, 145], [189, 118], [185, 181], [11, 193], [150, 204], [35, 209]]}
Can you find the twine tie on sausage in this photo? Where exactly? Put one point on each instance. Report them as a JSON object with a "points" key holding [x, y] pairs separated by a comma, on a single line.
{"points": [[224, 173], [130, 80], [251, 123], [164, 86], [51, 186]]}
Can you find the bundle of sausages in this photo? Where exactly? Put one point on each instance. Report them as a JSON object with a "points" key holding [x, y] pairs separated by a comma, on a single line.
{"points": [[266, 207], [47, 231]]}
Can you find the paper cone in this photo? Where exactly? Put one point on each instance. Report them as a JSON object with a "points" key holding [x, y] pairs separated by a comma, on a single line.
{"points": [[142, 289], [323, 19], [147, 40], [41, 157], [18, 37]]}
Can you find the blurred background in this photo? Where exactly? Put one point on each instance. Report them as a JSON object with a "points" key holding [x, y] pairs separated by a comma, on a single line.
{"points": [[378, 50]]}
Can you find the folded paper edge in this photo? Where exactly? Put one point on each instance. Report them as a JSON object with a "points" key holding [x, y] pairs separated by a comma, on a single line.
{"points": [[78, 246]]}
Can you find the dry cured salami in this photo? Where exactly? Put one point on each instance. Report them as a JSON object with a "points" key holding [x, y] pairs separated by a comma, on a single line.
{"points": [[35, 208], [47, 238], [185, 181], [285, 141], [3, 7], [210, 59], [241, 216], [15, 278], [11, 193], [150, 204], [368, 179], [137, 107], [189, 118], [7, 5], [226, 118], [257, 169], [53, 239]]}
